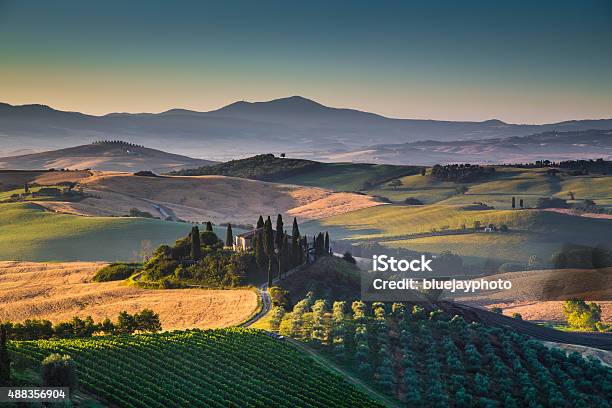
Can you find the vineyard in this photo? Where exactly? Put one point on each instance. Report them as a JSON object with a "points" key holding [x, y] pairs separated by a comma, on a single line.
{"points": [[211, 368], [437, 361]]}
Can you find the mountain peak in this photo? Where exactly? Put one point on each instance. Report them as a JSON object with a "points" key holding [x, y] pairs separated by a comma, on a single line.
{"points": [[288, 105]]}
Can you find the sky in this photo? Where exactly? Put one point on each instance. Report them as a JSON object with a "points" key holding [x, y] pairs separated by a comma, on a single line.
{"points": [[518, 61]]}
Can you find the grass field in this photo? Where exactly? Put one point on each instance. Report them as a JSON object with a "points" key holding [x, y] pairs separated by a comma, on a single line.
{"points": [[498, 190], [29, 233], [60, 291], [347, 176], [475, 248], [215, 368], [532, 232]]}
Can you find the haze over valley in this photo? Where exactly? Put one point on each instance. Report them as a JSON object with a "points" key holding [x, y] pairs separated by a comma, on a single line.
{"points": [[296, 126]]}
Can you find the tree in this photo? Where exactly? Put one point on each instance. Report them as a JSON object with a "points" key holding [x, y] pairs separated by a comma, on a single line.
{"points": [[513, 203], [26, 188], [147, 321], [209, 226], [423, 171], [296, 252], [395, 183], [461, 189], [258, 246], [268, 246], [280, 257], [348, 257], [571, 195], [285, 254], [126, 323], [5, 361], [229, 236], [107, 326], [260, 222], [326, 243], [59, 371], [581, 315], [196, 248], [278, 240], [534, 262], [521, 203]]}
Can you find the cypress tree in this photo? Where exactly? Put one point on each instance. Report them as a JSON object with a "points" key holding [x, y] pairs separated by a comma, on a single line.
{"points": [[209, 226], [326, 242], [268, 244], [296, 230], [281, 251], [268, 238], [260, 222], [278, 240], [521, 203], [196, 249], [296, 251], [229, 236], [260, 255], [269, 273], [285, 253], [5, 361], [304, 250], [513, 203]]}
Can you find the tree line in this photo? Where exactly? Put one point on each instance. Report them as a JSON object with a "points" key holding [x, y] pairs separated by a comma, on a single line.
{"points": [[145, 321], [461, 172]]}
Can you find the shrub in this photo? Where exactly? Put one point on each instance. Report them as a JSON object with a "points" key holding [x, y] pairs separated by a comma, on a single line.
{"points": [[135, 212], [511, 267], [59, 371], [413, 201], [115, 272], [279, 296], [348, 257]]}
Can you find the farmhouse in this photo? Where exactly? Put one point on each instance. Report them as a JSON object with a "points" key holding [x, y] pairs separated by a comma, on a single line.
{"points": [[244, 241]]}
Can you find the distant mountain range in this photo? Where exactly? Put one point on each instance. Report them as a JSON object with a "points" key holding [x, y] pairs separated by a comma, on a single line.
{"points": [[109, 156], [297, 126], [552, 145]]}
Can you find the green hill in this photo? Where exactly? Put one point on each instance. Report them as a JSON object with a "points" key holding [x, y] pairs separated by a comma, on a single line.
{"points": [[334, 176], [212, 368], [439, 227], [30, 233], [498, 189], [443, 360]]}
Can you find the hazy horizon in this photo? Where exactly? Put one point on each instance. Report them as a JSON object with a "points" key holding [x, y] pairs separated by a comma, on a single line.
{"points": [[286, 97], [519, 62]]}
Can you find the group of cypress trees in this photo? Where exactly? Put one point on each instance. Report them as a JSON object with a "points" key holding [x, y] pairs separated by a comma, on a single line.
{"points": [[271, 246], [321, 244]]}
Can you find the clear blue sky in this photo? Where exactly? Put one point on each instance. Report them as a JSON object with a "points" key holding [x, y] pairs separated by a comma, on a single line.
{"points": [[519, 61]]}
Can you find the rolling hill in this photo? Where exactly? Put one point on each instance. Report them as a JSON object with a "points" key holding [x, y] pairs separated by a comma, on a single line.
{"points": [[334, 176], [552, 144], [28, 232], [219, 199], [60, 291], [293, 125], [107, 156], [439, 227], [498, 189]]}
